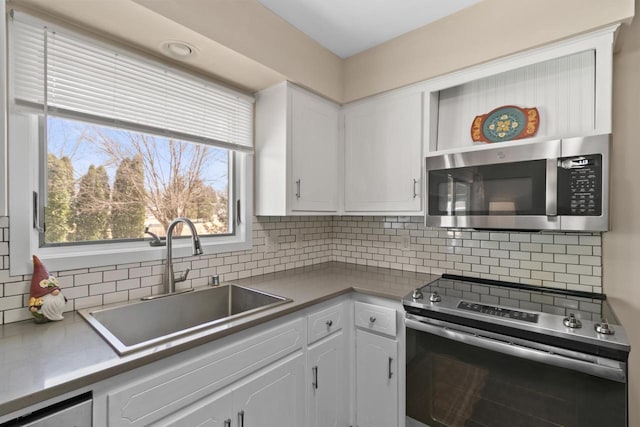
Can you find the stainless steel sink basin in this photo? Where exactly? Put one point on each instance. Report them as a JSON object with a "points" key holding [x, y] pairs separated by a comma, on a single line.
{"points": [[145, 324]]}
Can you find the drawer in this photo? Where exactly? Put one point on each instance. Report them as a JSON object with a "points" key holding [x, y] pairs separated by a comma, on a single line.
{"points": [[325, 322], [376, 318], [153, 397]]}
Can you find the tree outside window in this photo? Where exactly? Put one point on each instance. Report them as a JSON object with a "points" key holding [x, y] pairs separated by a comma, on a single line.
{"points": [[109, 184]]}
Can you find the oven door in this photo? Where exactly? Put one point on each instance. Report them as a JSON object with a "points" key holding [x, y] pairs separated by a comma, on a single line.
{"points": [[458, 376]]}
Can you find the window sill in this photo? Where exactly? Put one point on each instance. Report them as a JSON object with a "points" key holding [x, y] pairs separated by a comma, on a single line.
{"points": [[89, 256]]}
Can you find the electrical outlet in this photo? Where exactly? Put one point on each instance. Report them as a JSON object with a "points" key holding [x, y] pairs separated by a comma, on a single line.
{"points": [[405, 243]]}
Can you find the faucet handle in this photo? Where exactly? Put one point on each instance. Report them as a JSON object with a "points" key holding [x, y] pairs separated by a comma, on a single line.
{"points": [[155, 240], [182, 277]]}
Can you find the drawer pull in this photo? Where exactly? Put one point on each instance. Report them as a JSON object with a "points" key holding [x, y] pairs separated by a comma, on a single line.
{"points": [[227, 422], [390, 362], [372, 319], [329, 323], [241, 418]]}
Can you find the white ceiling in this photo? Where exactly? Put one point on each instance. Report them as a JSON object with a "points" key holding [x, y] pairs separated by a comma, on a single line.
{"points": [[347, 27]]}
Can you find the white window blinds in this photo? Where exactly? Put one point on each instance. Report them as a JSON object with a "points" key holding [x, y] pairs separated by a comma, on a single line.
{"points": [[71, 75]]}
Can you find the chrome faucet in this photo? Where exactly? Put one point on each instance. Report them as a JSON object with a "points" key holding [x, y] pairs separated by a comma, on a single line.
{"points": [[169, 278]]}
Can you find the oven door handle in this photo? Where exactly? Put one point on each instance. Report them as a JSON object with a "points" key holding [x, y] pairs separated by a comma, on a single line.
{"points": [[614, 370]]}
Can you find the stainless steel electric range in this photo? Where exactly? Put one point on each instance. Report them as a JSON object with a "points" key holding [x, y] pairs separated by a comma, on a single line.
{"points": [[489, 353]]}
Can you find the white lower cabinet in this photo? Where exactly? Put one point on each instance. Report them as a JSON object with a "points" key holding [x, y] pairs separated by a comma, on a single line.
{"points": [[328, 383], [274, 398], [376, 380], [304, 370], [213, 411]]}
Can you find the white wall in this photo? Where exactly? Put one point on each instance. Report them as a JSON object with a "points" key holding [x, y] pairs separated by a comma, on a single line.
{"points": [[621, 245]]}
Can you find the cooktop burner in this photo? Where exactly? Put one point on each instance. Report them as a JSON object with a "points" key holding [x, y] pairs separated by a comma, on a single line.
{"points": [[581, 318]]}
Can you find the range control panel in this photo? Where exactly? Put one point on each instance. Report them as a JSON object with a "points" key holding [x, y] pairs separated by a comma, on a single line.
{"points": [[580, 185], [498, 311]]}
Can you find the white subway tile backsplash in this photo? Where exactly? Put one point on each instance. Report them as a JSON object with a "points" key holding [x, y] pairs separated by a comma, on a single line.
{"points": [[16, 288], [87, 278], [565, 240], [579, 250], [541, 238], [115, 297], [102, 288], [112, 275], [123, 285], [590, 240], [558, 268], [591, 260], [566, 278], [554, 249], [85, 302], [580, 269], [562, 260], [7, 303], [566, 259], [520, 237]]}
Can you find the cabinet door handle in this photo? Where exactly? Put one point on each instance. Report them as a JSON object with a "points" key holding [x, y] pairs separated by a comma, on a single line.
{"points": [[298, 189], [372, 319], [227, 422], [415, 193], [390, 362], [329, 323], [315, 377], [241, 419]]}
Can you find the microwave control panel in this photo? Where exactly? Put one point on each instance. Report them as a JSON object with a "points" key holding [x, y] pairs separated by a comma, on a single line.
{"points": [[580, 185]]}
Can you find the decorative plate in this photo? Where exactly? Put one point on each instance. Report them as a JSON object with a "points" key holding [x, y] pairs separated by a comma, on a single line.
{"points": [[505, 124]]}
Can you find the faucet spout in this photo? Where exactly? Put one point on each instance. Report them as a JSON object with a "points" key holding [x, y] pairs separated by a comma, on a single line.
{"points": [[169, 279]]}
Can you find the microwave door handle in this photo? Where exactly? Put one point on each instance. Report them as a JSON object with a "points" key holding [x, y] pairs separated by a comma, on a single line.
{"points": [[552, 187]]}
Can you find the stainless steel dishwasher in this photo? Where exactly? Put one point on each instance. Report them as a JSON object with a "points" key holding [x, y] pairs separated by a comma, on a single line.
{"points": [[74, 412]]}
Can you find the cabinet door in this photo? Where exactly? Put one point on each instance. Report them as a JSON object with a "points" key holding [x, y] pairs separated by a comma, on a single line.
{"points": [[376, 380], [328, 383], [314, 153], [383, 155], [213, 411], [273, 398]]}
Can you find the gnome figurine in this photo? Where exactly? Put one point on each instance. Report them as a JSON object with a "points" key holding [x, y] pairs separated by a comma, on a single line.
{"points": [[46, 302]]}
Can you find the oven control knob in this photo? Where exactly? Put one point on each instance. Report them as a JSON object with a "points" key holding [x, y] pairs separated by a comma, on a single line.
{"points": [[603, 328], [572, 322], [417, 294], [434, 297]]}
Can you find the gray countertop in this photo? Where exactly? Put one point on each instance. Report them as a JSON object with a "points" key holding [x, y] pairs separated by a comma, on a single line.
{"points": [[39, 362]]}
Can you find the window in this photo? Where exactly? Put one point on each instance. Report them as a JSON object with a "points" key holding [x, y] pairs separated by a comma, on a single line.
{"points": [[105, 146], [106, 184]]}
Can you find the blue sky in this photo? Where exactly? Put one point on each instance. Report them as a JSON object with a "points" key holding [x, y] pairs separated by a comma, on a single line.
{"points": [[73, 139]]}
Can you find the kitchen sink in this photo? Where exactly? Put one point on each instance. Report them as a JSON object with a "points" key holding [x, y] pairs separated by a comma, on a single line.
{"points": [[145, 324]]}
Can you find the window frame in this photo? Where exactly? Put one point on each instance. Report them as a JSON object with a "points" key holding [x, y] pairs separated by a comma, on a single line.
{"points": [[25, 146]]}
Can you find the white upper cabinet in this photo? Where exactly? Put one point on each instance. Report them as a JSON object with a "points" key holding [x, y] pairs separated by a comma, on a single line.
{"points": [[306, 163], [297, 141], [383, 154]]}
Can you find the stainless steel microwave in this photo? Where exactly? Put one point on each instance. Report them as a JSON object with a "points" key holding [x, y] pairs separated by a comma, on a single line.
{"points": [[553, 185]]}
